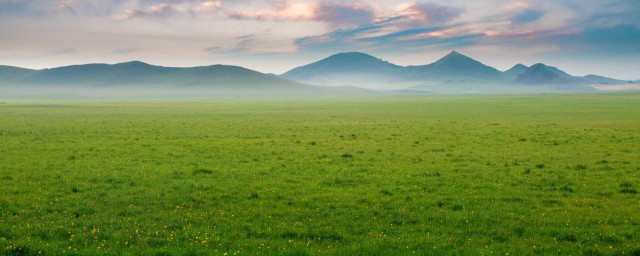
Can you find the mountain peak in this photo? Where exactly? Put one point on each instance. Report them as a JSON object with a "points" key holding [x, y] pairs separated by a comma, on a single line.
{"points": [[516, 70], [133, 63], [519, 66], [538, 66], [455, 58], [351, 56], [539, 74], [454, 53]]}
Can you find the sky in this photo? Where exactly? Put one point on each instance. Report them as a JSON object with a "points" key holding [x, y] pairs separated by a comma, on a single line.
{"points": [[272, 36]]}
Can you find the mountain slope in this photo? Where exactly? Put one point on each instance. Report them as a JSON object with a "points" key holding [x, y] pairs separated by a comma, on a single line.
{"points": [[9, 73], [552, 78], [540, 74], [456, 67], [601, 80]]}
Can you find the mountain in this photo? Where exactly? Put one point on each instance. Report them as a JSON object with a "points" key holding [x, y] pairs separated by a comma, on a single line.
{"points": [[134, 72], [540, 74], [515, 71], [360, 69], [351, 68], [140, 73], [9, 73], [601, 80], [456, 67], [339, 74], [142, 78], [455, 71], [552, 78]]}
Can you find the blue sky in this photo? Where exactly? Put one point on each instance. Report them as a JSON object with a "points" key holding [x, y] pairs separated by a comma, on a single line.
{"points": [[581, 37]]}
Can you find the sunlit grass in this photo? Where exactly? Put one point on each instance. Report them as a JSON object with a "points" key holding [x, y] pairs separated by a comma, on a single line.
{"points": [[550, 174]]}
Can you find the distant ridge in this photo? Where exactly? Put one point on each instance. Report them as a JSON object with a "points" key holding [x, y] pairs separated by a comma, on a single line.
{"points": [[9, 73], [601, 80], [455, 70], [139, 76], [348, 73]]}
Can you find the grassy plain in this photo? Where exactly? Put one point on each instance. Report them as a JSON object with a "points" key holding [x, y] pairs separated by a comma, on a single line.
{"points": [[517, 175]]}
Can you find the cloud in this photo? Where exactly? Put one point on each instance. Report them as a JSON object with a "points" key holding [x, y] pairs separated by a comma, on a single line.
{"points": [[125, 51], [210, 5], [619, 40], [65, 51], [212, 49], [121, 9], [158, 10], [527, 16], [336, 15], [262, 43], [427, 14], [281, 11], [408, 25], [341, 15]]}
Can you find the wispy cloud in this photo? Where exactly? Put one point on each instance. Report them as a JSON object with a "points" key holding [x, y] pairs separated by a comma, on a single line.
{"points": [[336, 15], [125, 51], [407, 25], [212, 49], [527, 16], [65, 51], [427, 14]]}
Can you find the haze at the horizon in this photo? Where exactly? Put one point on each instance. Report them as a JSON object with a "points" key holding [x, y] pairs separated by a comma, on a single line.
{"points": [[580, 37]]}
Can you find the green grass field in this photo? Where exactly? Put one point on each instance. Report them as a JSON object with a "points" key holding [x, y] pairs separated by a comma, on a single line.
{"points": [[441, 175]]}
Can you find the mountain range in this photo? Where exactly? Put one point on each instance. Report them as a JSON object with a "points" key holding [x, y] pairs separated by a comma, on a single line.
{"points": [[453, 70], [139, 78], [339, 74]]}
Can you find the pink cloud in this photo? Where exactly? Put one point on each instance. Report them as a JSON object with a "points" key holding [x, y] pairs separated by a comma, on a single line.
{"points": [[170, 8], [420, 14], [282, 11], [158, 10], [336, 15]]}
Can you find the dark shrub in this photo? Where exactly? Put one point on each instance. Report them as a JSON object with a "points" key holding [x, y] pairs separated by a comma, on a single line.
{"points": [[202, 171]]}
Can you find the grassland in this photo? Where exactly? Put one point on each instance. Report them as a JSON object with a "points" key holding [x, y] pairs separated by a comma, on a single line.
{"points": [[517, 175]]}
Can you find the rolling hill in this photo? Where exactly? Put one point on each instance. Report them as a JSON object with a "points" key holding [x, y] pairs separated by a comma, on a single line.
{"points": [[140, 73], [601, 80], [139, 78], [9, 73]]}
